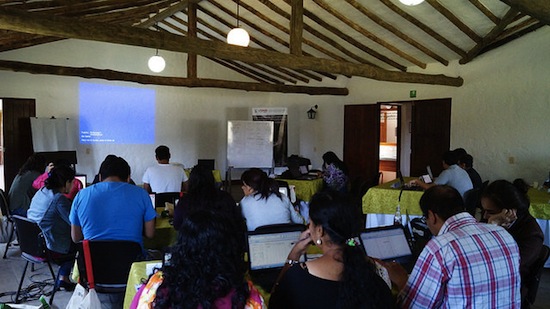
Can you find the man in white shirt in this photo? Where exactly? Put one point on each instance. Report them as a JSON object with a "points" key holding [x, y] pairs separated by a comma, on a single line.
{"points": [[452, 175], [164, 177]]}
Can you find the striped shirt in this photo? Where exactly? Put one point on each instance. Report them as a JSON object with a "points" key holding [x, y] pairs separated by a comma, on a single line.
{"points": [[468, 265]]}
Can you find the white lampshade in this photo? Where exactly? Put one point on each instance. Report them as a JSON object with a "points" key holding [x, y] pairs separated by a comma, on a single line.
{"points": [[411, 2], [156, 64], [238, 36]]}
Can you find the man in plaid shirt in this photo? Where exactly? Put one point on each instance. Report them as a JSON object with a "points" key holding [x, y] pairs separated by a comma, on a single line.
{"points": [[467, 265]]}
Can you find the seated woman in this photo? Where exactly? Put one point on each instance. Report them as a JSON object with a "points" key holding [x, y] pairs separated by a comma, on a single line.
{"points": [[262, 203], [40, 181], [202, 193], [50, 209], [507, 205], [335, 172], [206, 268], [343, 277], [21, 190]]}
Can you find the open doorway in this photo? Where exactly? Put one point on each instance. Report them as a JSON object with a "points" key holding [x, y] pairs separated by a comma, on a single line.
{"points": [[395, 139]]}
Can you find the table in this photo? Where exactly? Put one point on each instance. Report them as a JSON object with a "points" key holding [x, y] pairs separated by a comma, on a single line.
{"points": [[380, 202], [540, 209], [305, 189], [165, 233]]}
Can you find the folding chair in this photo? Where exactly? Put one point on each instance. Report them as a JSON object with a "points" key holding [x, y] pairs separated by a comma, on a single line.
{"points": [[33, 249], [536, 272]]}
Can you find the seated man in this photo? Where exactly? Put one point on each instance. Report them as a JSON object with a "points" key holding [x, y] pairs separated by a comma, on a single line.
{"points": [[113, 209], [452, 175], [164, 177], [467, 265], [467, 164]]}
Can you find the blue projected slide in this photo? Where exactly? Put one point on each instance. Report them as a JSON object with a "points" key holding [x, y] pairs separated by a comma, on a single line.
{"points": [[116, 114]]}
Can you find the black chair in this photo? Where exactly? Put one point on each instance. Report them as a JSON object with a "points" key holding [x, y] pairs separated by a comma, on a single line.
{"points": [[111, 263], [472, 200], [532, 283], [4, 206], [170, 197], [33, 249]]}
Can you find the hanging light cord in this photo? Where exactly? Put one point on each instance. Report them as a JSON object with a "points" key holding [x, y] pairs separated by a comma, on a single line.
{"points": [[238, 13]]}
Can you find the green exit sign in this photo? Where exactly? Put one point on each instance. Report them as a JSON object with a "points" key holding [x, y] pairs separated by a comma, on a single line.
{"points": [[412, 93]]}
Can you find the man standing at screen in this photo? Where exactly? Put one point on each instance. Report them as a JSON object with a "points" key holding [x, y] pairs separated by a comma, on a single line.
{"points": [[164, 177]]}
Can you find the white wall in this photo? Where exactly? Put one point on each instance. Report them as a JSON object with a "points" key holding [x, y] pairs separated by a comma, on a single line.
{"points": [[501, 111]]}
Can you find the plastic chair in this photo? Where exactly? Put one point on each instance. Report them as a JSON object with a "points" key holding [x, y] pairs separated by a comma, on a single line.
{"points": [[536, 272], [4, 206], [111, 263], [33, 248], [472, 200]]}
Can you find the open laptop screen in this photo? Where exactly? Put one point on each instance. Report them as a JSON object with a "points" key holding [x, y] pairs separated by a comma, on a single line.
{"points": [[270, 250], [386, 243], [82, 179]]}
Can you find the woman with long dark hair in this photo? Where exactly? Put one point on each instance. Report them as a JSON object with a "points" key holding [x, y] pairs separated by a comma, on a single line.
{"points": [[50, 209], [262, 203], [206, 268], [343, 277], [21, 190], [202, 193], [507, 204], [335, 172]]}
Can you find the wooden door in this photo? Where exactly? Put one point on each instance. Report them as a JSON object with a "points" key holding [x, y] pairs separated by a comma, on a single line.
{"points": [[17, 135], [431, 134], [361, 140]]}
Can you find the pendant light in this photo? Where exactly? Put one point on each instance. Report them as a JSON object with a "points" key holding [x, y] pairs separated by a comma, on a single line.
{"points": [[156, 63], [238, 36], [411, 2]]}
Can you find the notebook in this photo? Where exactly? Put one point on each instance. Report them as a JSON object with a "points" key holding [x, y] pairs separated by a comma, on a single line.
{"points": [[387, 243]]}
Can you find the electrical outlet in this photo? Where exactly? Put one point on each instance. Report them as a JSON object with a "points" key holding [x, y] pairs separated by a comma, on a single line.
{"points": [[511, 160]]}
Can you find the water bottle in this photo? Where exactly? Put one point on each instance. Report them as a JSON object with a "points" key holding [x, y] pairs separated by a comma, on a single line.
{"points": [[397, 217]]}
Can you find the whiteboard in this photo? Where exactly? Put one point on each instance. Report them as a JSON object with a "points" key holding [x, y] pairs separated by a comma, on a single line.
{"points": [[249, 144]]}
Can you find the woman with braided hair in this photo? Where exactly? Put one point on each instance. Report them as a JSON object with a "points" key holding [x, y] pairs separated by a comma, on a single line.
{"points": [[343, 277]]}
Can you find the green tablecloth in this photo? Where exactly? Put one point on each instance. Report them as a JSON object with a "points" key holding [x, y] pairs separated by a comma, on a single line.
{"points": [[540, 204], [383, 199], [165, 234], [305, 189]]}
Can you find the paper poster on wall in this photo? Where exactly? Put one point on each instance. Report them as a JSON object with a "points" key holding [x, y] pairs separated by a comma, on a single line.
{"points": [[53, 134], [279, 116], [250, 144]]}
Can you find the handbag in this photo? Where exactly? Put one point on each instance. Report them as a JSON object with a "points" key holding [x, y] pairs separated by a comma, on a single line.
{"points": [[82, 298]]}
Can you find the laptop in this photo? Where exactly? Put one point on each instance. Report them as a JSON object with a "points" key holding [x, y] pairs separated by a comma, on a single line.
{"points": [[428, 178], [388, 243], [82, 179], [268, 251], [405, 186]]}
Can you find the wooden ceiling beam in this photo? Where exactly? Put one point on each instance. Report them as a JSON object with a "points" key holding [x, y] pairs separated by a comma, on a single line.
{"points": [[257, 75], [296, 27], [371, 15], [17, 66], [483, 9], [371, 35], [287, 45], [511, 37], [438, 37], [518, 27], [262, 31], [162, 15], [455, 20], [72, 28], [491, 36], [313, 30], [191, 32], [540, 9]]}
